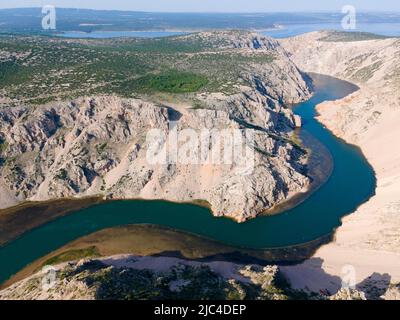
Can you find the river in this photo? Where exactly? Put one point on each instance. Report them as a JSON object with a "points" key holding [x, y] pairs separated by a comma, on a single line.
{"points": [[351, 183]]}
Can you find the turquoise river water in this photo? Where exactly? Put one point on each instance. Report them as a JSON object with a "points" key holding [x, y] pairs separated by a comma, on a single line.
{"points": [[351, 183]]}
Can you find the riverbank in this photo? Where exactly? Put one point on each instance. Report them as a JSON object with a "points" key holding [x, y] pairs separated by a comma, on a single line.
{"points": [[96, 140], [291, 233], [17, 220], [369, 239], [129, 277], [156, 241]]}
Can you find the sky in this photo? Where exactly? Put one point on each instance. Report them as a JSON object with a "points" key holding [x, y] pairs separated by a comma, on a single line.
{"points": [[212, 5]]}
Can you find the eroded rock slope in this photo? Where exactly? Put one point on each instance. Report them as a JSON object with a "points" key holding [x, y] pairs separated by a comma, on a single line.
{"points": [[97, 145]]}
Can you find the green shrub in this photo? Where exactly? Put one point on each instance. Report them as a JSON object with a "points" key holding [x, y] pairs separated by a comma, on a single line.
{"points": [[172, 82], [73, 255], [62, 174], [3, 146]]}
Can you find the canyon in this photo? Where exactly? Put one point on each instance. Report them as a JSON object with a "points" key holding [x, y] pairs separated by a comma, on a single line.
{"points": [[368, 240], [58, 150], [98, 146]]}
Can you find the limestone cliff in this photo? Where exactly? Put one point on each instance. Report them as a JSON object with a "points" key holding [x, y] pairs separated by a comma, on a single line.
{"points": [[97, 145], [150, 278], [369, 239]]}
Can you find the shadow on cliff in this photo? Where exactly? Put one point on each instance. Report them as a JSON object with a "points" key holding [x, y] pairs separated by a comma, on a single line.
{"points": [[311, 272], [280, 256], [375, 285], [311, 277]]}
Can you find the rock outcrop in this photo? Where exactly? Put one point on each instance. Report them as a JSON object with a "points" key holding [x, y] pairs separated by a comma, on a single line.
{"points": [[369, 238], [130, 277], [98, 145], [127, 277], [348, 294]]}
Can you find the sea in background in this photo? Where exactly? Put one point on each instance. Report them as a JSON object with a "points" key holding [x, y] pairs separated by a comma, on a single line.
{"points": [[86, 23], [283, 31], [120, 34], [286, 31]]}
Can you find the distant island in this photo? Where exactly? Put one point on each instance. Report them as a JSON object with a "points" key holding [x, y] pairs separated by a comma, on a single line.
{"points": [[86, 20]]}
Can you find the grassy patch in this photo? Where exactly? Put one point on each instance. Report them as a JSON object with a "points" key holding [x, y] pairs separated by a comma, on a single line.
{"points": [[342, 36], [10, 71], [172, 82], [295, 140], [3, 146], [73, 255], [366, 73], [36, 70], [62, 174], [101, 147]]}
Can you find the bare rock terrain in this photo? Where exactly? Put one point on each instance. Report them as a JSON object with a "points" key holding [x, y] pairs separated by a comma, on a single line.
{"points": [[132, 277], [369, 238], [98, 145]]}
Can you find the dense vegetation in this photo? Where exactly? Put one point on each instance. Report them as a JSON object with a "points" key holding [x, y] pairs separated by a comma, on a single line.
{"points": [[173, 81], [338, 36], [29, 20], [76, 254], [180, 282], [40, 69]]}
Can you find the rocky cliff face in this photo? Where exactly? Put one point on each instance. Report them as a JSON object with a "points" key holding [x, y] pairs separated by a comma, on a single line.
{"points": [[130, 277], [97, 145], [94, 146], [369, 238]]}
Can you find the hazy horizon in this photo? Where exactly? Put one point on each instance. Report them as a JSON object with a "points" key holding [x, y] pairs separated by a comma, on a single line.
{"points": [[210, 6], [208, 12]]}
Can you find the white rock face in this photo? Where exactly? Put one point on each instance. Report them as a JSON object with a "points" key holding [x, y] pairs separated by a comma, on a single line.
{"points": [[348, 294], [97, 146], [90, 279], [297, 121], [370, 238]]}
